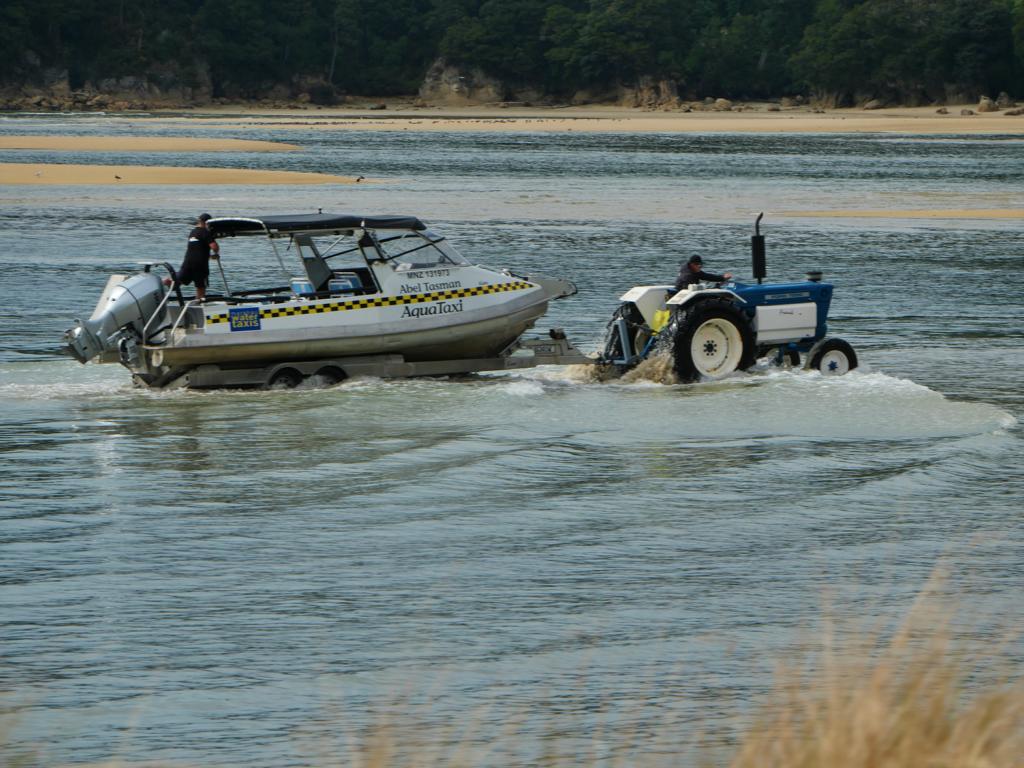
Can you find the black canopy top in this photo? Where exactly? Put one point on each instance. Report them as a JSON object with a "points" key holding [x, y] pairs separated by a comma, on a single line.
{"points": [[308, 222]]}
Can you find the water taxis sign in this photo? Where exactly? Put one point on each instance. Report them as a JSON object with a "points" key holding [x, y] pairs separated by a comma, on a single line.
{"points": [[244, 319]]}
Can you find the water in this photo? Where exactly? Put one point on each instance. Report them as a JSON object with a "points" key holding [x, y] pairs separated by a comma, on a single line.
{"points": [[253, 578]]}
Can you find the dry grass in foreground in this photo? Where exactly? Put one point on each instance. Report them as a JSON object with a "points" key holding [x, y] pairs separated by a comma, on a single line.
{"points": [[921, 699], [905, 705], [925, 697]]}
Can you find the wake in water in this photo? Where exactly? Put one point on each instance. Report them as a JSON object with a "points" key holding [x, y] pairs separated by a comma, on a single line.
{"points": [[765, 399], [657, 369], [781, 400]]}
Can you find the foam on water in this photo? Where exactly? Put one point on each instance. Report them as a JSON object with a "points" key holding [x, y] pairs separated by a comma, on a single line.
{"points": [[859, 405], [523, 388], [646, 401], [656, 369], [582, 374], [61, 379]]}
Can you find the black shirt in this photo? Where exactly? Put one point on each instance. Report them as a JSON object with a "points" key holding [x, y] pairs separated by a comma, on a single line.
{"points": [[198, 252], [688, 277]]}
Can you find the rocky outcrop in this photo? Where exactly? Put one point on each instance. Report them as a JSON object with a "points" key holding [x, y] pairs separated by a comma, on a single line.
{"points": [[449, 84], [829, 100], [163, 86], [528, 96], [875, 104], [985, 104], [648, 93], [587, 96], [84, 100]]}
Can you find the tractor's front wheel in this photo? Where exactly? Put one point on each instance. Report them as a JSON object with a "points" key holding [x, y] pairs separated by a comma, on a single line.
{"points": [[833, 357], [712, 340]]}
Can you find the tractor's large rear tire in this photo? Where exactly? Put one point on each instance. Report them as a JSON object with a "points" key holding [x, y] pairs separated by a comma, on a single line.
{"points": [[713, 339]]}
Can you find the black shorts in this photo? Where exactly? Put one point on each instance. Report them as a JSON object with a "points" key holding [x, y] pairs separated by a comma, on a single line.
{"points": [[194, 273]]}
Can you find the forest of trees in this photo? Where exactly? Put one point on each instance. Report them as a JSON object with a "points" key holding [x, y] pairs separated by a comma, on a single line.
{"points": [[910, 51]]}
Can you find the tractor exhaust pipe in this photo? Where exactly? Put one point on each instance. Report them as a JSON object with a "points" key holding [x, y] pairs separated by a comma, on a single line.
{"points": [[760, 265]]}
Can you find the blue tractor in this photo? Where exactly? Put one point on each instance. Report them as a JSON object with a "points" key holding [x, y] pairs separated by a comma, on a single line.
{"points": [[713, 330]]}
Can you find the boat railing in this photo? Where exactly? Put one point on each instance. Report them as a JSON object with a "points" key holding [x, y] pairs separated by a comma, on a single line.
{"points": [[184, 311], [159, 311]]}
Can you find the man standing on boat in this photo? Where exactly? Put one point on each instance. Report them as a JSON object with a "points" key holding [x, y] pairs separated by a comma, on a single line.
{"points": [[692, 272], [201, 248]]}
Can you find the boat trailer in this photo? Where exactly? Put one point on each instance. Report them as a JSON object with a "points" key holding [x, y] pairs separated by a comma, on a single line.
{"points": [[525, 353]]}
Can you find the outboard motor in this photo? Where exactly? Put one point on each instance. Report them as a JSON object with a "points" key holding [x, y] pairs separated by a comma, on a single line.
{"points": [[117, 324]]}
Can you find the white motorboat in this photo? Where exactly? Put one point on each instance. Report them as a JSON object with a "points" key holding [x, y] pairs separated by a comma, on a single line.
{"points": [[378, 294]]}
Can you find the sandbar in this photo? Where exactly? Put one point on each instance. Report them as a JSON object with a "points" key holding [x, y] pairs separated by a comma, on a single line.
{"points": [[56, 174], [606, 119], [141, 144], [948, 213]]}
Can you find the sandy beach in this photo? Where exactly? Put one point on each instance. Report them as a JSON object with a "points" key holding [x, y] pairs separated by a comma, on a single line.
{"points": [[602, 119], [41, 173], [141, 144], [936, 213], [922, 121]]}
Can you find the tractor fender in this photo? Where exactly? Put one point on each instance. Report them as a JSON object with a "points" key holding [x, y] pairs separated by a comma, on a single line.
{"points": [[686, 296], [648, 299]]}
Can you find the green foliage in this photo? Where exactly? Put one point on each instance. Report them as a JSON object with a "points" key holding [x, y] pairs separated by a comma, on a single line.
{"points": [[747, 53], [503, 38], [382, 48], [1018, 40], [909, 50], [14, 26]]}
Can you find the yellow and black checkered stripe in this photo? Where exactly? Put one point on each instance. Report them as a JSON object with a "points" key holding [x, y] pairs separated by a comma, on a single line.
{"points": [[379, 301]]}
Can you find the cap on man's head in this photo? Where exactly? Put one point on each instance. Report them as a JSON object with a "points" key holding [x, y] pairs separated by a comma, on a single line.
{"points": [[204, 217], [695, 260]]}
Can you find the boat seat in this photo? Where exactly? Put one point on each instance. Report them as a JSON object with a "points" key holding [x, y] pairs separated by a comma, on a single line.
{"points": [[363, 280], [345, 282], [323, 278], [317, 268]]}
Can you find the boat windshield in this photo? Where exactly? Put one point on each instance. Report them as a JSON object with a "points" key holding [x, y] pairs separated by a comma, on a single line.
{"points": [[418, 250]]}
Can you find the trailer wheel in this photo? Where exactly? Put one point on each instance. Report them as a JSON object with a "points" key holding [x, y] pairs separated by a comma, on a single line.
{"points": [[713, 339], [788, 358], [286, 378], [834, 358], [330, 375]]}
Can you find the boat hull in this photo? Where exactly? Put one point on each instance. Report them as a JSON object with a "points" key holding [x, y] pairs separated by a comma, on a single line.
{"points": [[478, 337]]}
